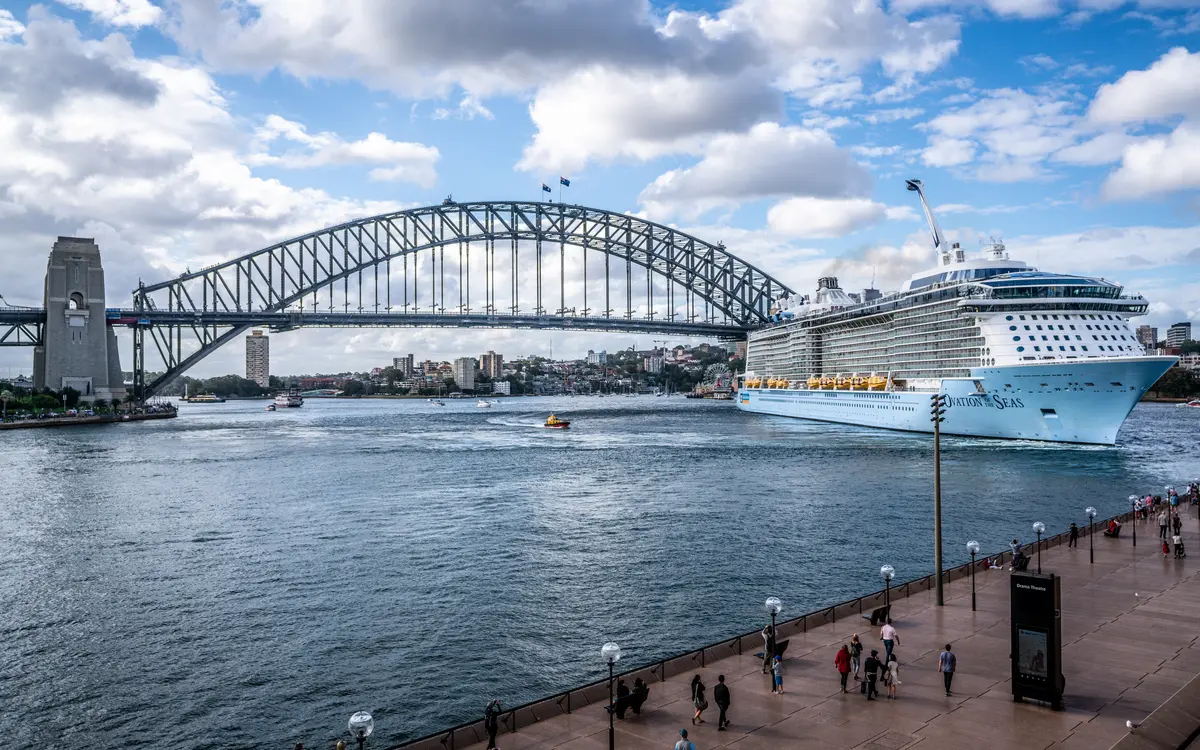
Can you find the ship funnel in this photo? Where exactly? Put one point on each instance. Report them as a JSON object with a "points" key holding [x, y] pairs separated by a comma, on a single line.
{"points": [[916, 187], [827, 282]]}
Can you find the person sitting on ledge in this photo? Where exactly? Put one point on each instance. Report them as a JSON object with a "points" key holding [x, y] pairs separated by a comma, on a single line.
{"points": [[1114, 528], [1019, 560], [640, 693], [622, 698]]}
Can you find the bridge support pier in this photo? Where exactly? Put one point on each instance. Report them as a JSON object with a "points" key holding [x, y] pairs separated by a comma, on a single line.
{"points": [[79, 349]]}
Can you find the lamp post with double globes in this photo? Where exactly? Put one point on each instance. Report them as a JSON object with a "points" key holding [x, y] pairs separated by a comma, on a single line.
{"points": [[1038, 528], [361, 725], [611, 653], [888, 573], [1134, 503], [973, 548], [1091, 514]]}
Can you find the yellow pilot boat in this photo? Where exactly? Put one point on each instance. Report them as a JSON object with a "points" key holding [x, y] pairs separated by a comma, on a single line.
{"points": [[554, 423]]}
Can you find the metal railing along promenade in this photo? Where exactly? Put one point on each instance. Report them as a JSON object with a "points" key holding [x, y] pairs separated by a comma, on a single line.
{"points": [[541, 709]]}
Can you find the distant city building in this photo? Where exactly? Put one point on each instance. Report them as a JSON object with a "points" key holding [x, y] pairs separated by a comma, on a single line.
{"points": [[870, 295], [1190, 361], [464, 373], [1147, 336], [403, 365], [258, 359], [502, 388], [491, 364], [739, 350], [1177, 334], [597, 358], [653, 364]]}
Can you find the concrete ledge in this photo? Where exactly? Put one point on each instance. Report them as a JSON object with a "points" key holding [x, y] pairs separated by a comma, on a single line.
{"points": [[1172, 726]]}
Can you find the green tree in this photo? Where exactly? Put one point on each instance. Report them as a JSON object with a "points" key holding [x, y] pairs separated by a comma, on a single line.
{"points": [[352, 388], [44, 401], [1190, 347], [72, 397], [1177, 383], [99, 404], [5, 397]]}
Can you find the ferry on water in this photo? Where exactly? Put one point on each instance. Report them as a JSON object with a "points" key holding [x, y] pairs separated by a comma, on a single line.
{"points": [[1018, 353], [290, 399]]}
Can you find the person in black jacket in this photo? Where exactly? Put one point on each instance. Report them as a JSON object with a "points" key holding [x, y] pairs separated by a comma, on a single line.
{"points": [[491, 722], [873, 667], [639, 696], [622, 698], [721, 696]]}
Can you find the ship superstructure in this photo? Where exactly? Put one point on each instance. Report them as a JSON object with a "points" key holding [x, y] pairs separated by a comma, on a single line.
{"points": [[1055, 348]]}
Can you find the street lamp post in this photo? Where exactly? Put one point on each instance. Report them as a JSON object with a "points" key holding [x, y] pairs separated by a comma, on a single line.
{"points": [[611, 653], [361, 725], [1038, 528], [1091, 514], [773, 605], [888, 573], [938, 409], [1134, 502], [973, 548]]}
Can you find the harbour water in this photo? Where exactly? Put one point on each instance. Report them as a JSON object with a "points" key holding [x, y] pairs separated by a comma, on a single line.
{"points": [[238, 578]]}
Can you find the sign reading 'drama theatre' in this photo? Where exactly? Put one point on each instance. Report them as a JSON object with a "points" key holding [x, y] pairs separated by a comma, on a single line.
{"points": [[1036, 638]]}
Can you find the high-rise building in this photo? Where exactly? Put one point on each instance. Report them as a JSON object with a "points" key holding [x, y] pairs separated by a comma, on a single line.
{"points": [[464, 373], [739, 350], [597, 358], [1147, 336], [653, 364], [491, 364], [1179, 333], [403, 365], [258, 358], [502, 388]]}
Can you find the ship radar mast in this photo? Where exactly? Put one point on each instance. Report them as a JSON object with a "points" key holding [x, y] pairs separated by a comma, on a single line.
{"points": [[938, 239]]}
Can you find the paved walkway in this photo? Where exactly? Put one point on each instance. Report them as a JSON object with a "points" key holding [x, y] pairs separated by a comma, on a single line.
{"points": [[1130, 641]]}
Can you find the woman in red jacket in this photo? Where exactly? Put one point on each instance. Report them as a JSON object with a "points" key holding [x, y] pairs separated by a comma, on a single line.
{"points": [[842, 662]]}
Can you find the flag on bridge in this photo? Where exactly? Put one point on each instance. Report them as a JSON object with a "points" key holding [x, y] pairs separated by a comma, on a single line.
{"points": [[545, 188], [564, 182]]}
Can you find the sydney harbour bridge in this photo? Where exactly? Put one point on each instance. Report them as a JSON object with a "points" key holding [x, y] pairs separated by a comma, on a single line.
{"points": [[486, 264]]}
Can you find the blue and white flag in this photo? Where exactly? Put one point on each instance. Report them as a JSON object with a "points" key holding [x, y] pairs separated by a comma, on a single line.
{"points": [[545, 188], [564, 182]]}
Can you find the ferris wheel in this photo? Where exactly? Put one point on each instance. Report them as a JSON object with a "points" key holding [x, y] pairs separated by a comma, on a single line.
{"points": [[718, 375]]}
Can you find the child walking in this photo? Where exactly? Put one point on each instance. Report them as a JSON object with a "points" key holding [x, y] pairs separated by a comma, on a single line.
{"points": [[777, 671]]}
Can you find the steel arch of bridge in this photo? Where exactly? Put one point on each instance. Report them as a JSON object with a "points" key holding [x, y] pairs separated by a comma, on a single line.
{"points": [[302, 281]]}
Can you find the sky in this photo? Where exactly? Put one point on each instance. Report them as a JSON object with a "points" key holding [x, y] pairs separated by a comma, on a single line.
{"points": [[183, 132]]}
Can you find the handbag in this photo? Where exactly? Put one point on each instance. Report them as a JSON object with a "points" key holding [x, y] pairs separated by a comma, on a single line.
{"points": [[703, 704]]}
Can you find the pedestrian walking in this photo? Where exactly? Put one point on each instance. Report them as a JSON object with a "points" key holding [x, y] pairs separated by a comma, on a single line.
{"points": [[872, 667], [856, 649], [842, 662], [889, 636], [1162, 524], [1177, 523], [491, 721], [1177, 542], [946, 664], [721, 696], [684, 743], [891, 675], [777, 675], [768, 635], [698, 699], [1073, 541]]}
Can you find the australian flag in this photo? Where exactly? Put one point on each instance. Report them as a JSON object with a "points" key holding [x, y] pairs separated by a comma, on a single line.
{"points": [[545, 188], [564, 182]]}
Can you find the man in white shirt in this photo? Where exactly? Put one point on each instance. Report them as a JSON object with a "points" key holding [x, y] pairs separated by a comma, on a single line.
{"points": [[890, 638]]}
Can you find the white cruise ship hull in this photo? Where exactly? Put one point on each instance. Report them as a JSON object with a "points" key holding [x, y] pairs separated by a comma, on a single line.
{"points": [[1067, 401]]}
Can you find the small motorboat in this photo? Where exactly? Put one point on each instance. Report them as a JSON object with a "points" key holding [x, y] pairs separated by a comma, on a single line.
{"points": [[439, 403], [481, 404], [270, 407], [554, 423], [1194, 403]]}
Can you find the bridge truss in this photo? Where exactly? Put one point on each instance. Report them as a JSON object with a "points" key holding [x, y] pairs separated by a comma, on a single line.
{"points": [[488, 264]]}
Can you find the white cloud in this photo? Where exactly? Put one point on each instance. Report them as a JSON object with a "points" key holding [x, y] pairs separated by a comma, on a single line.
{"points": [[1103, 149], [397, 161], [135, 13], [872, 152], [469, 107], [824, 218], [1016, 8], [601, 114], [9, 26], [768, 160], [1169, 87], [948, 152], [1157, 165], [893, 115]]}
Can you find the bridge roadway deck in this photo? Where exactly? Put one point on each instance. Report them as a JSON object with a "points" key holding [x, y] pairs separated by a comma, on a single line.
{"points": [[1123, 655]]}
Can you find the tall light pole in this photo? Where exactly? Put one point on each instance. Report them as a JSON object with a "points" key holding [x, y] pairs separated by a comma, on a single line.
{"points": [[773, 606], [888, 573], [361, 725], [973, 548], [1134, 502], [1038, 528], [937, 410], [1091, 514], [611, 653]]}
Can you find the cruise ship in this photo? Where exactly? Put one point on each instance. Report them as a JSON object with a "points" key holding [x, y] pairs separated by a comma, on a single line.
{"points": [[1018, 353]]}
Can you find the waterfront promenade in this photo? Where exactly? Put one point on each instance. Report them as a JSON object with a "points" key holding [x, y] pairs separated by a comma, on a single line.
{"points": [[1130, 643]]}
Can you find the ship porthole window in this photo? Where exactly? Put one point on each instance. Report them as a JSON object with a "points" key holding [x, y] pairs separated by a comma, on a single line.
{"points": [[1012, 328], [1016, 338], [1020, 348], [1008, 317]]}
